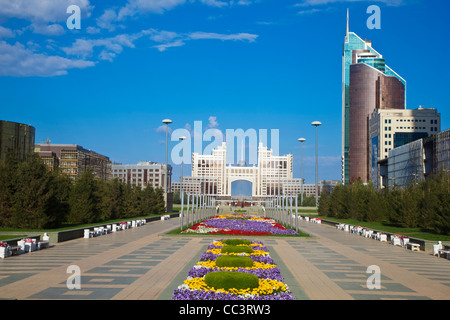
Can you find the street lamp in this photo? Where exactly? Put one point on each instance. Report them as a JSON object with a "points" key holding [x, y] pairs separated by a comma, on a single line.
{"points": [[316, 124], [181, 183], [301, 165], [167, 122], [279, 190]]}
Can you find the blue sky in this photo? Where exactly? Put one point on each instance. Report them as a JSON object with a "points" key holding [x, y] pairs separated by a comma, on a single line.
{"points": [[249, 64]]}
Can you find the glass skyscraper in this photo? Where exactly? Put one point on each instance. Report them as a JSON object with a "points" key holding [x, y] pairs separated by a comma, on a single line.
{"points": [[17, 139], [357, 51]]}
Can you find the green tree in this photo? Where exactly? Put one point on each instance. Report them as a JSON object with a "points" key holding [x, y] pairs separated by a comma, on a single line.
{"points": [[35, 199], [340, 202], [324, 208], [436, 207], [85, 199], [8, 171], [112, 199]]}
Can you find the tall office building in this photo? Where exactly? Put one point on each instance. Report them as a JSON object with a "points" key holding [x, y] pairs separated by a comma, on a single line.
{"points": [[367, 84], [16, 138]]}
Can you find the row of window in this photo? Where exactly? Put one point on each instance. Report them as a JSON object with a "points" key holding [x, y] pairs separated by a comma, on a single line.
{"points": [[435, 129], [432, 121], [135, 170]]}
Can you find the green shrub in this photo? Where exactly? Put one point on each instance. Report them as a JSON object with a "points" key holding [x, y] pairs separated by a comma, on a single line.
{"points": [[228, 279], [234, 262], [236, 249], [235, 242]]}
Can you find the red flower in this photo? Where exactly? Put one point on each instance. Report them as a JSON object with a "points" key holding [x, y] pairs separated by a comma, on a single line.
{"points": [[240, 233]]}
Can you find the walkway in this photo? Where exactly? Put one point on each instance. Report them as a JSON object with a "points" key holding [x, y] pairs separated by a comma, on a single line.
{"points": [[144, 264]]}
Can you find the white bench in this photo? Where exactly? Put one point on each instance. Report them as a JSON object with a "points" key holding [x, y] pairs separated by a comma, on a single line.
{"points": [[43, 244], [396, 241], [445, 253], [413, 246]]}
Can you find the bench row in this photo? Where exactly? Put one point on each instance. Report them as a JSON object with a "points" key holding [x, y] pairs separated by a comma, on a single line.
{"points": [[114, 227], [24, 246], [394, 239]]}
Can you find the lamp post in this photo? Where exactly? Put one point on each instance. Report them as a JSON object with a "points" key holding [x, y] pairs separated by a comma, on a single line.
{"points": [[316, 124], [167, 122], [301, 167], [181, 184], [279, 192]]}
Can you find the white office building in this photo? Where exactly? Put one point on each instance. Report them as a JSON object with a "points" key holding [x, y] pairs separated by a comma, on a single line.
{"points": [[142, 174], [213, 176], [392, 128]]}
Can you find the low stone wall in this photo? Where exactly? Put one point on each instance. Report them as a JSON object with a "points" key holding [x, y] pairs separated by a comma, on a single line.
{"points": [[66, 235]]}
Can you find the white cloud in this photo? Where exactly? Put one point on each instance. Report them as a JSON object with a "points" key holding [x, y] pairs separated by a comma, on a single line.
{"points": [[135, 7], [6, 33], [162, 129], [92, 30], [169, 39], [326, 2], [48, 29], [110, 46], [215, 3], [18, 61], [163, 36], [165, 46], [41, 10], [236, 36], [309, 11], [212, 122], [108, 20]]}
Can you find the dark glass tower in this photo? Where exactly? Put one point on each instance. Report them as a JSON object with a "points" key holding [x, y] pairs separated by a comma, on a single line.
{"points": [[374, 85], [16, 138]]}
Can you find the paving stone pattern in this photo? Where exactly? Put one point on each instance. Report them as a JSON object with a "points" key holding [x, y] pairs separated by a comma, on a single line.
{"points": [[145, 264]]}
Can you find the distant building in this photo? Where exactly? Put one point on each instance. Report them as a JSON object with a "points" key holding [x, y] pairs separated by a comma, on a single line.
{"points": [[16, 138], [392, 128], [142, 174], [191, 185], [73, 160], [416, 161], [216, 177]]}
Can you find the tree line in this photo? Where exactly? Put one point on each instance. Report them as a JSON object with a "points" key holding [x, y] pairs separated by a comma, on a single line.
{"points": [[425, 204], [32, 197]]}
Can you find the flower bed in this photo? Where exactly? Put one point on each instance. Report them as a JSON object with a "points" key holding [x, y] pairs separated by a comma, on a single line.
{"points": [[270, 286], [241, 225]]}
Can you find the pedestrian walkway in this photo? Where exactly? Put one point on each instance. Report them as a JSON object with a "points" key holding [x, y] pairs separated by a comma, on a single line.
{"points": [[146, 264]]}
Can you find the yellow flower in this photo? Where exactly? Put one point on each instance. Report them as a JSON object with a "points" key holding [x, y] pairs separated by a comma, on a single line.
{"points": [[266, 286], [256, 265]]}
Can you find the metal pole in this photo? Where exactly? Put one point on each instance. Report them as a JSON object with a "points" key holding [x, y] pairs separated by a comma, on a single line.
{"points": [[167, 169], [167, 122], [301, 162], [290, 213], [181, 191], [296, 212], [187, 209], [316, 124], [316, 168]]}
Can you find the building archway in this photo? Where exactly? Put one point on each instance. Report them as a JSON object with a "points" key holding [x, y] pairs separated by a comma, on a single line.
{"points": [[242, 188]]}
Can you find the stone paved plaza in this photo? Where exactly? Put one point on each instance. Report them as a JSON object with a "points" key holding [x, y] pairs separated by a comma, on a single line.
{"points": [[145, 264]]}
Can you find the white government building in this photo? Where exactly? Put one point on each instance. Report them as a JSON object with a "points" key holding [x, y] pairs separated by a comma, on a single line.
{"points": [[210, 174]]}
